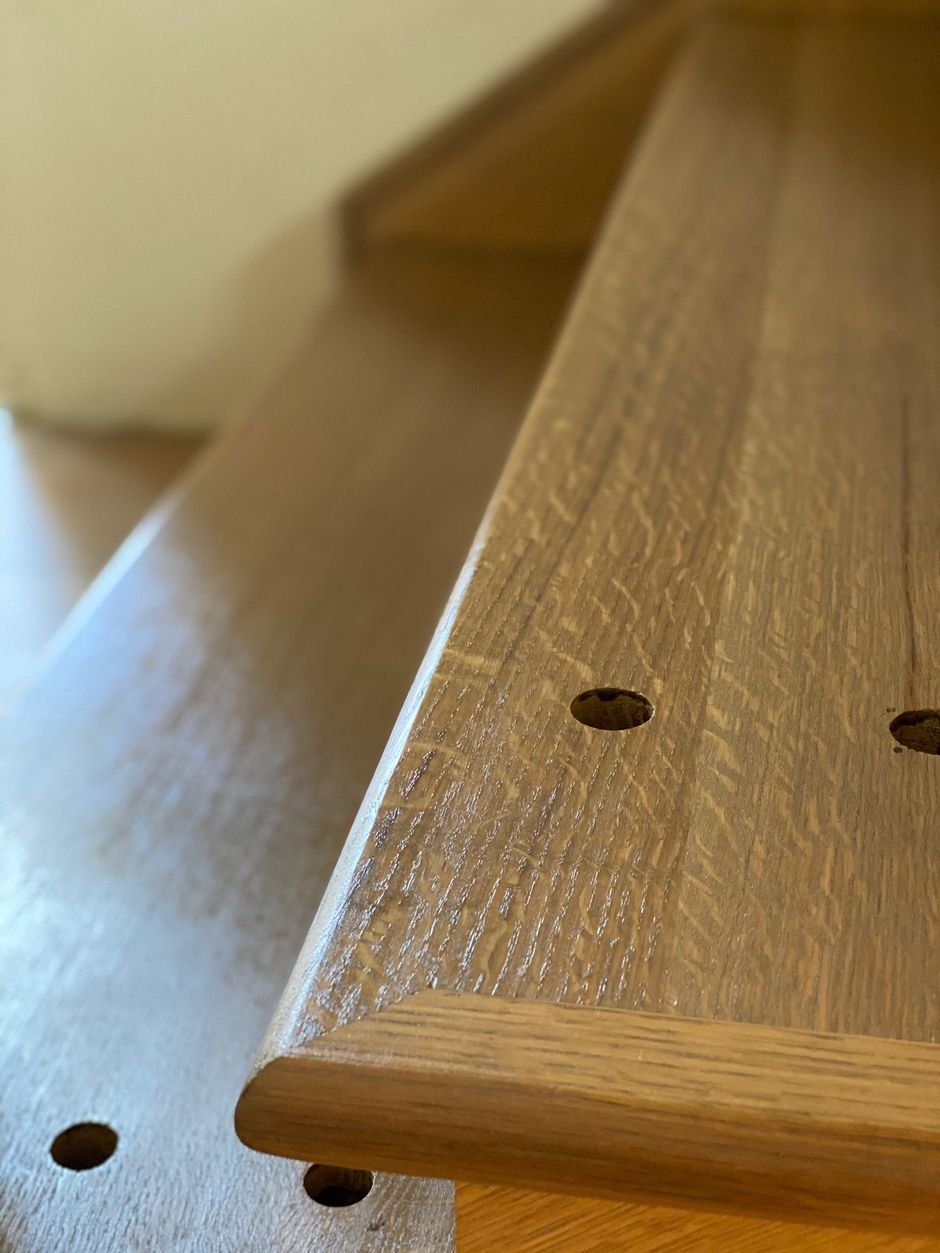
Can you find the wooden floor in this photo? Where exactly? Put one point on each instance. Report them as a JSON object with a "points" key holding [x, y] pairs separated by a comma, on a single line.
{"points": [[68, 502]]}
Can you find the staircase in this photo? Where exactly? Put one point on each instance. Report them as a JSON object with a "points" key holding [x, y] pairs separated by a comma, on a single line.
{"points": [[179, 782]]}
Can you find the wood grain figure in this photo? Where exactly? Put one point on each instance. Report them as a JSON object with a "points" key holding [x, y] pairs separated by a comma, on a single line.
{"points": [[508, 1220], [723, 499]]}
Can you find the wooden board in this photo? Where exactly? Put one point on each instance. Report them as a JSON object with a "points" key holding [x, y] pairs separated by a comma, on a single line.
{"points": [[606, 1102], [723, 498], [177, 787], [513, 1221]]}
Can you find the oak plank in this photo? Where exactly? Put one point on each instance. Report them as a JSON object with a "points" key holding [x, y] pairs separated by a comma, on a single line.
{"points": [[513, 1221], [844, 1130], [177, 786], [722, 499]]}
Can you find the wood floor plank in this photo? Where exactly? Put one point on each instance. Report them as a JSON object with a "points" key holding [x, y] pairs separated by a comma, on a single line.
{"points": [[177, 787], [513, 1221], [721, 500]]}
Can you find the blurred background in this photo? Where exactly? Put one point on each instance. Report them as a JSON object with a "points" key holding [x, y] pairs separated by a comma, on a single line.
{"points": [[171, 178], [170, 174]]}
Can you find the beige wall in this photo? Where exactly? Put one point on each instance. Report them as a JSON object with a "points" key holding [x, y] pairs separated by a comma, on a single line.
{"points": [[167, 171]]}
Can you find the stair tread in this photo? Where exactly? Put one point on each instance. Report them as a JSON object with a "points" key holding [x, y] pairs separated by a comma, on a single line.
{"points": [[179, 782], [723, 498]]}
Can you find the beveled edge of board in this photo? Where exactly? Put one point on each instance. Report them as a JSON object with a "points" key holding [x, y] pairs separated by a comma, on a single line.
{"points": [[772, 1121]]}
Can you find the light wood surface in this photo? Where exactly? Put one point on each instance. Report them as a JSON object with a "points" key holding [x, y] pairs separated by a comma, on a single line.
{"points": [[177, 786], [491, 1218], [723, 499], [67, 503]]}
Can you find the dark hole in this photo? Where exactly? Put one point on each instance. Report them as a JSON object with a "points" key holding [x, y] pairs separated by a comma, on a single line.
{"points": [[918, 729], [335, 1185], [611, 709], [84, 1146]]}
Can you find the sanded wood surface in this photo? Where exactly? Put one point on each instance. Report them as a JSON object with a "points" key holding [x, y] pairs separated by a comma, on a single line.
{"points": [[724, 499], [176, 788]]}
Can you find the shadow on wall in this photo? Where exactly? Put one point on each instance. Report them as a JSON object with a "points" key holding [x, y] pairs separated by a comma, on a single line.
{"points": [[169, 179], [257, 318]]}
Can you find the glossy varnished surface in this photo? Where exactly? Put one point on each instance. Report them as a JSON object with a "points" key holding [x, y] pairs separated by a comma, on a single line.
{"points": [[722, 499], [176, 788]]}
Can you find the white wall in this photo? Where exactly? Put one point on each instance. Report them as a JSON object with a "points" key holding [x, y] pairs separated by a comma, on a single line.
{"points": [[166, 172]]}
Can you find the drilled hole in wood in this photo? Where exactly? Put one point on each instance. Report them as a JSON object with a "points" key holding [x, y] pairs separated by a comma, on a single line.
{"points": [[334, 1185], [611, 709], [918, 729], [84, 1146]]}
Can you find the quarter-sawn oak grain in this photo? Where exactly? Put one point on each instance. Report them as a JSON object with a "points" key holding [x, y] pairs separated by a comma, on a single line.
{"points": [[724, 498]]}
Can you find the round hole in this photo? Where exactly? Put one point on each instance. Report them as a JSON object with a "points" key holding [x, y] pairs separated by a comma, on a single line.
{"points": [[335, 1185], [611, 709], [918, 729], [84, 1146]]}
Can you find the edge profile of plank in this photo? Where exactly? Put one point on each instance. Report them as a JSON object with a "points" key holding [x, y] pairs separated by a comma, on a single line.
{"points": [[722, 498], [613, 1103]]}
